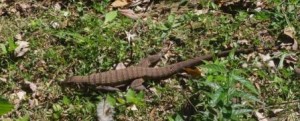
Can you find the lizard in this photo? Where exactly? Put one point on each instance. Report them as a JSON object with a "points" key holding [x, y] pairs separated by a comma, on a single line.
{"points": [[142, 71]]}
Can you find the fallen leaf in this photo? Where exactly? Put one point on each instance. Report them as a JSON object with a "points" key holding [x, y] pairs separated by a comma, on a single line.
{"points": [[290, 31], [105, 111], [130, 14], [54, 25], [24, 6], [21, 94], [120, 66], [258, 64], [57, 6], [110, 16], [33, 103], [130, 36], [276, 111], [245, 65], [120, 3], [19, 36], [287, 38], [295, 45], [267, 58], [199, 12], [22, 48], [297, 71], [291, 59], [152, 114], [3, 79], [243, 42], [133, 108], [193, 71], [32, 86], [154, 91], [260, 116]]}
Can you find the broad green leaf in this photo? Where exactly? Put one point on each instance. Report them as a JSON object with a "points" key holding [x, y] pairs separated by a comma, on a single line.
{"points": [[66, 100], [110, 16], [132, 97], [262, 15], [245, 95], [112, 101], [212, 68], [5, 106], [178, 118], [56, 108], [171, 19], [170, 118], [121, 101], [216, 97], [242, 16], [11, 45], [24, 118], [240, 111], [215, 86], [245, 83]]}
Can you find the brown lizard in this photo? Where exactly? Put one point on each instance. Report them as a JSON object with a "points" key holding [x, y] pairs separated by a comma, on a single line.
{"points": [[125, 76]]}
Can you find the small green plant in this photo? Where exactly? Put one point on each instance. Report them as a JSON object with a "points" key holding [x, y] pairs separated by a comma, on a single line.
{"points": [[219, 87], [176, 118], [135, 98], [8, 47], [5, 106]]}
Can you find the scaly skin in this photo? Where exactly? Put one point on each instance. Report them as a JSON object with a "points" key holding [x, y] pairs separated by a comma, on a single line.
{"points": [[122, 76]]}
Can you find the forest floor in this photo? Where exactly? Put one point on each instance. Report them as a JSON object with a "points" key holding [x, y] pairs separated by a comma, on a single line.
{"points": [[42, 42]]}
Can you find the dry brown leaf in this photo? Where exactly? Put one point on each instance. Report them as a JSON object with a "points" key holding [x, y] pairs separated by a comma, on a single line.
{"points": [[120, 66], [152, 114], [22, 48], [290, 31], [258, 65], [297, 71], [193, 71], [19, 36], [245, 65], [295, 45], [33, 103], [199, 12], [120, 3], [130, 36], [21, 94], [130, 13], [267, 58], [276, 111], [57, 6], [138, 2], [260, 116], [133, 108], [243, 42], [291, 59], [55, 25], [105, 112], [24, 6], [287, 38], [3, 79], [32, 86]]}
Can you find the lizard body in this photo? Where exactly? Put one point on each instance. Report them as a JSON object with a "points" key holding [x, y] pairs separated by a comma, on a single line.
{"points": [[122, 76]]}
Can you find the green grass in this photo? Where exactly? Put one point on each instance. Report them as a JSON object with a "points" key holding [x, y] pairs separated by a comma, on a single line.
{"points": [[90, 38]]}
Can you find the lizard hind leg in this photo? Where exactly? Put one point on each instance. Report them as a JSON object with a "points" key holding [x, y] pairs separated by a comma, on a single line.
{"points": [[137, 84], [149, 61]]}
